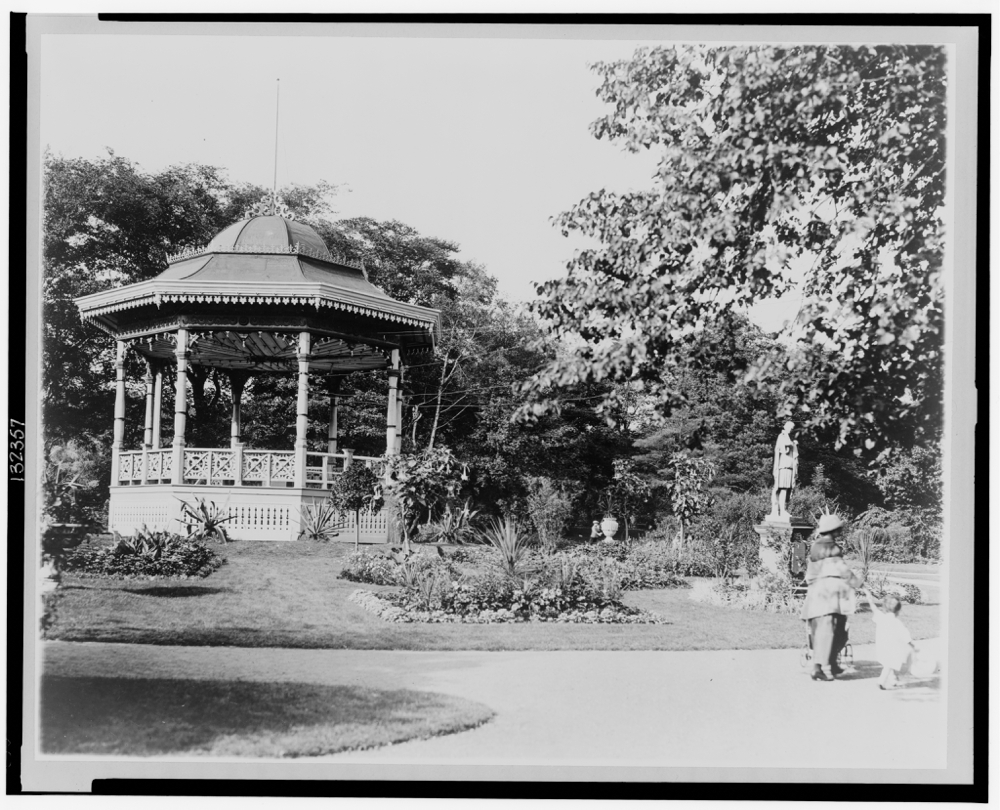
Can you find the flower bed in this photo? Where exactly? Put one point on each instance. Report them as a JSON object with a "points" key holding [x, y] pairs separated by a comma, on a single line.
{"points": [[640, 565], [579, 586], [379, 569], [146, 556], [395, 608], [769, 593]]}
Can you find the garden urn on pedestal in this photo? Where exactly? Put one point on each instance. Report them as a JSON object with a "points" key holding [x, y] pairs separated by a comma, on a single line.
{"points": [[609, 526]]}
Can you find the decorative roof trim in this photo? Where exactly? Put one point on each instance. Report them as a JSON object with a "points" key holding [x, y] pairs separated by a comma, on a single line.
{"points": [[270, 205], [318, 296], [157, 291]]}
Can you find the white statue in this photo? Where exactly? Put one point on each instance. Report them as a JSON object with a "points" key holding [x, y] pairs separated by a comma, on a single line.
{"points": [[786, 468]]}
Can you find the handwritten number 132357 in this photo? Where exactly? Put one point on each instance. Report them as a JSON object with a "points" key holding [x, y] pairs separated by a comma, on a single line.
{"points": [[15, 455]]}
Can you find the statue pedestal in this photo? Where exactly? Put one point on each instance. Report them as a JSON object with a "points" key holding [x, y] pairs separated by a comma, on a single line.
{"points": [[784, 543]]}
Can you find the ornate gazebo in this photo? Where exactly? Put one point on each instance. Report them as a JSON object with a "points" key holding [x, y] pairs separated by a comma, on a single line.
{"points": [[265, 296]]}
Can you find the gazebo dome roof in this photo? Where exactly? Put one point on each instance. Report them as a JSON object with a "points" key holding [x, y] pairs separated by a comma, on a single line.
{"points": [[255, 283], [268, 233]]}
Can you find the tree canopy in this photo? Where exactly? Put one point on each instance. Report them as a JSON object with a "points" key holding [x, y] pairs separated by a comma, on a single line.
{"points": [[814, 169]]}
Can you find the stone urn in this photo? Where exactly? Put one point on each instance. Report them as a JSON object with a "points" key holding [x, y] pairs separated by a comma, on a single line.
{"points": [[609, 526]]}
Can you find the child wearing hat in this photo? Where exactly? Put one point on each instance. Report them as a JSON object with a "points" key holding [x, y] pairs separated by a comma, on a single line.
{"points": [[893, 643], [829, 598]]}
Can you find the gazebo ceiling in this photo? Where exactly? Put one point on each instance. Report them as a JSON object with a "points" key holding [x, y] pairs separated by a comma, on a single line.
{"points": [[262, 350], [250, 290]]}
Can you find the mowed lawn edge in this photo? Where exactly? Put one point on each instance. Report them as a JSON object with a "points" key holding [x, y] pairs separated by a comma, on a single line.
{"points": [[165, 716], [290, 595]]}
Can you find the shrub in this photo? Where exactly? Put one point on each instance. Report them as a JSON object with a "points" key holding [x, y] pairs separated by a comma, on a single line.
{"points": [[810, 502], [357, 490], [771, 593], [418, 483], [896, 536], [652, 565], [381, 569], [549, 509], [453, 527], [723, 538], [881, 586], [147, 554], [70, 482], [605, 579], [375, 569]]}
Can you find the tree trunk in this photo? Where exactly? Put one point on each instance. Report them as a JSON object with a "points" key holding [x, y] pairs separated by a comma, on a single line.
{"points": [[357, 529], [437, 405]]}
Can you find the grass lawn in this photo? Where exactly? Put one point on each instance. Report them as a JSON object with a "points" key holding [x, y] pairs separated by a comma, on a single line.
{"points": [[147, 717], [288, 595]]}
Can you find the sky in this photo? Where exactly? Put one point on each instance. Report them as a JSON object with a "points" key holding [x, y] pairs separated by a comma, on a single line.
{"points": [[476, 141]]}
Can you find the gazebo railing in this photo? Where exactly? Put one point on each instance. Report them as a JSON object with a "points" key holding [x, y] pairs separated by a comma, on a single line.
{"points": [[237, 466], [145, 466], [323, 468]]}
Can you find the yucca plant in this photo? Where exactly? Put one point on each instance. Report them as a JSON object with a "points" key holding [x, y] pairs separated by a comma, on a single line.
{"points": [[203, 521], [320, 522], [512, 542], [864, 542]]}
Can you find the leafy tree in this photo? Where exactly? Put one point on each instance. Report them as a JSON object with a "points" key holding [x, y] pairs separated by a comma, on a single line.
{"points": [[549, 509], [405, 264], [357, 489], [688, 494], [417, 483], [627, 491], [814, 166]]}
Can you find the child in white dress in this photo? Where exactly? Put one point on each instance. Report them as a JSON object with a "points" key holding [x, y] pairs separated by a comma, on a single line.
{"points": [[893, 643]]}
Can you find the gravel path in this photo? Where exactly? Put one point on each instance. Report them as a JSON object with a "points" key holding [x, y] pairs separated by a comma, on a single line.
{"points": [[681, 709]]}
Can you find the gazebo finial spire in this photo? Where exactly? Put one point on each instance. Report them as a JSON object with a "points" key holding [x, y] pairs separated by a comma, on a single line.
{"points": [[270, 204], [277, 110]]}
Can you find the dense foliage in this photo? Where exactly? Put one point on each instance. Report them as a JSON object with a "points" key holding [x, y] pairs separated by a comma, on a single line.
{"points": [[109, 223], [813, 168]]}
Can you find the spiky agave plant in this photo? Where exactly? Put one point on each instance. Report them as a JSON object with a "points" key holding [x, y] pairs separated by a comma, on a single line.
{"points": [[512, 542], [320, 522], [203, 521]]}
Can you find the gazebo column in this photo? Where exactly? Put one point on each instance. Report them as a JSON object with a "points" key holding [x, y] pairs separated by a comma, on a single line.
{"points": [[392, 411], [147, 433], [332, 433], [400, 403], [119, 433], [237, 381], [180, 404], [302, 411], [157, 405]]}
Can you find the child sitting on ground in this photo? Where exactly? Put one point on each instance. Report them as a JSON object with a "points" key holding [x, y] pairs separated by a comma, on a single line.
{"points": [[893, 644]]}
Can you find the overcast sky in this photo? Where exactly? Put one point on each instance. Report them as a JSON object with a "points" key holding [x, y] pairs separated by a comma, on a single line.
{"points": [[478, 141], [475, 141]]}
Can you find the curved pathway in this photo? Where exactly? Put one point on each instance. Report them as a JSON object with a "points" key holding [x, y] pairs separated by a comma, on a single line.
{"points": [[677, 709]]}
